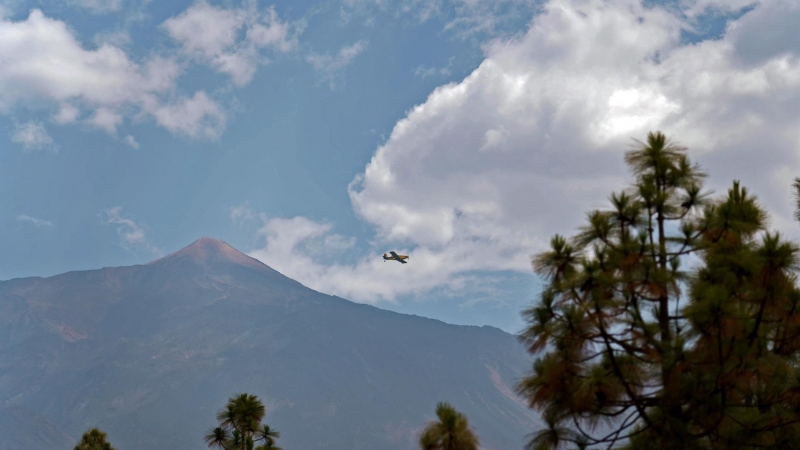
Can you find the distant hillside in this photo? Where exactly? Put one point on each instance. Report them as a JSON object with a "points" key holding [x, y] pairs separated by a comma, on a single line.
{"points": [[23, 429], [149, 353]]}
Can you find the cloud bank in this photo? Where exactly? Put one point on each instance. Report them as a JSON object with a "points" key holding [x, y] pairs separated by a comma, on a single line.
{"points": [[45, 67], [480, 176], [210, 34]]}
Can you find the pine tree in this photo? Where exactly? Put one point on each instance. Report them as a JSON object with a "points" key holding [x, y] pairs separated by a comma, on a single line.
{"points": [[636, 352]]}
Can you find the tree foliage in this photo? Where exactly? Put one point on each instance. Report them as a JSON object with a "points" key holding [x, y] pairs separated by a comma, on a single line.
{"points": [[240, 426], [638, 352], [450, 432], [94, 439]]}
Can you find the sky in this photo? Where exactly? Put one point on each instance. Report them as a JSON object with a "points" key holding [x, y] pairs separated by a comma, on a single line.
{"points": [[315, 136]]}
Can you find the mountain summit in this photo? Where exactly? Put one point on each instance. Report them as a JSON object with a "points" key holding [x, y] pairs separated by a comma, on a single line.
{"points": [[149, 353], [209, 251]]}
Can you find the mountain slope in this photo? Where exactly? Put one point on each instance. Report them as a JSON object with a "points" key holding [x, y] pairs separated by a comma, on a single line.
{"points": [[22, 429], [149, 353]]}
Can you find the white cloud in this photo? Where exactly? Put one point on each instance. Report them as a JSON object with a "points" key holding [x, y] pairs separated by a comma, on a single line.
{"points": [[117, 38], [106, 119], [240, 214], [131, 141], [66, 114], [39, 223], [694, 8], [423, 10], [99, 6], [299, 247], [44, 65], [487, 17], [486, 170], [464, 18], [329, 66], [33, 136], [212, 34], [565, 110], [424, 71], [131, 233], [337, 243], [195, 117]]}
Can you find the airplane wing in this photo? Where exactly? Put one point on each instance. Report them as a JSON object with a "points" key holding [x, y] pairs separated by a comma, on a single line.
{"points": [[398, 258]]}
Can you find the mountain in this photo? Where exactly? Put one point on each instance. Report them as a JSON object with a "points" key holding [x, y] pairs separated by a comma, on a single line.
{"points": [[23, 429], [149, 353]]}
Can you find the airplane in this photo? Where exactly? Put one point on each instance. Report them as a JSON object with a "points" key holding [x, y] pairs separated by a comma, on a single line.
{"points": [[395, 257]]}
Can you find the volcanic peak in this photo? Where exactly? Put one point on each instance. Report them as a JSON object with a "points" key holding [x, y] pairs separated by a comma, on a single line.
{"points": [[208, 250]]}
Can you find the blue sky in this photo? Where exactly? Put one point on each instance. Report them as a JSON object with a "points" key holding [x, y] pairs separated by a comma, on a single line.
{"points": [[317, 135]]}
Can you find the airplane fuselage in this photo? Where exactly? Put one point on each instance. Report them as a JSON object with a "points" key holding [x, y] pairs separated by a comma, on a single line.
{"points": [[395, 257]]}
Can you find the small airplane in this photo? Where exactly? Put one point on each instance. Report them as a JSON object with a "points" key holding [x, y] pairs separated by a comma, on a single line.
{"points": [[395, 257]]}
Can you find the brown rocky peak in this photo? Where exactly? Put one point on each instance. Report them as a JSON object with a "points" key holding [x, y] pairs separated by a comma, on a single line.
{"points": [[205, 251]]}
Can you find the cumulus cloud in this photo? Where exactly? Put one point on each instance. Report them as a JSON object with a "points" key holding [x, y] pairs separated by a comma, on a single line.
{"points": [[330, 66], [44, 65], [132, 234], [213, 35], [486, 170], [33, 136], [534, 136], [38, 223], [299, 247], [198, 116]]}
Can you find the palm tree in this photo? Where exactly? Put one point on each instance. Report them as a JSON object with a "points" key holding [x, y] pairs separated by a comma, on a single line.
{"points": [[248, 411], [428, 442], [94, 439], [268, 435], [240, 426], [218, 438], [450, 432], [796, 186]]}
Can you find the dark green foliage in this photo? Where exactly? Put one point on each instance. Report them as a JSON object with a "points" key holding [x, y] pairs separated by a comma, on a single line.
{"points": [[240, 426], [450, 432], [93, 439], [639, 353]]}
